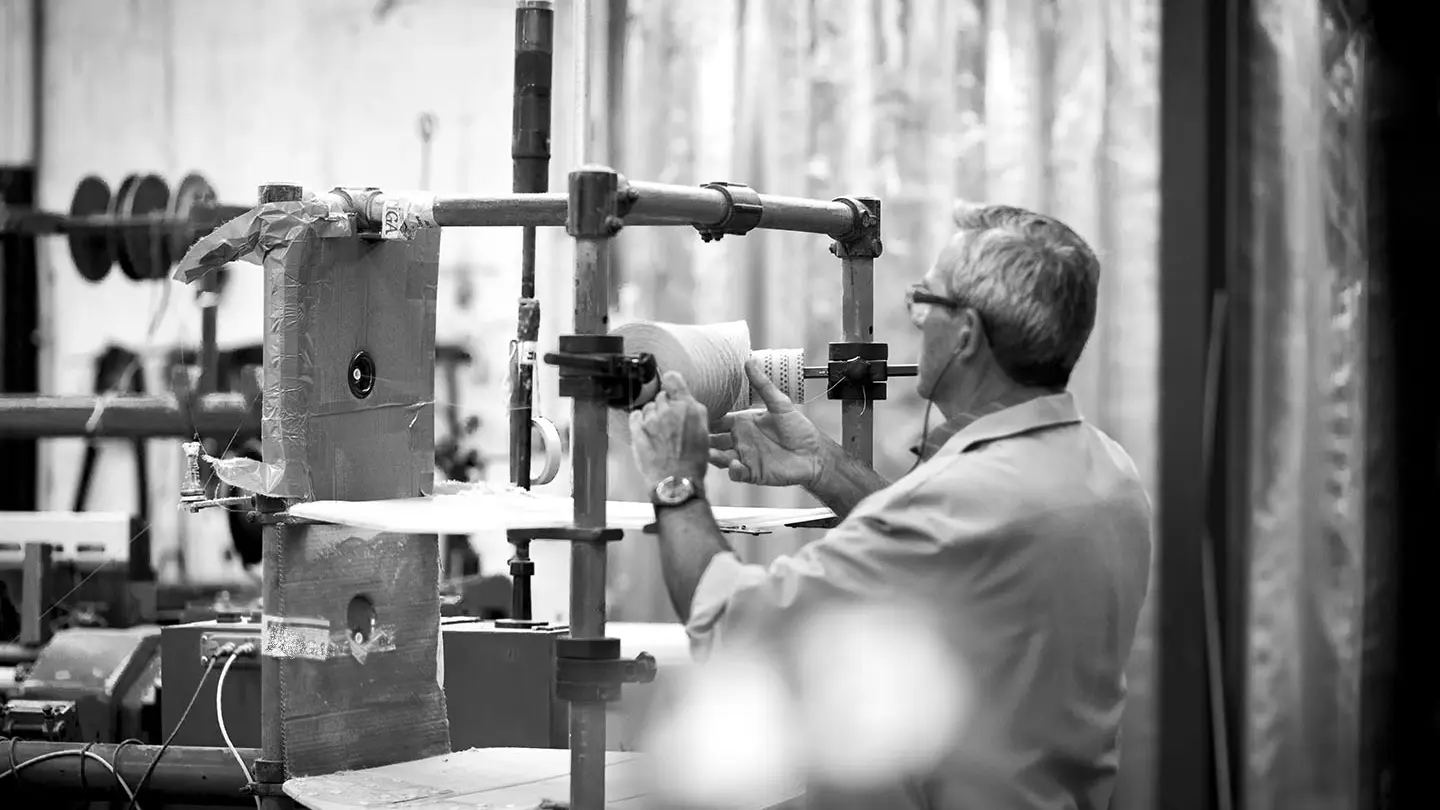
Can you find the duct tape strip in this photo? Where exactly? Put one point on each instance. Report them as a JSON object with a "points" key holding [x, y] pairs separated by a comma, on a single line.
{"points": [[403, 215], [315, 639], [525, 352], [550, 441], [263, 233]]}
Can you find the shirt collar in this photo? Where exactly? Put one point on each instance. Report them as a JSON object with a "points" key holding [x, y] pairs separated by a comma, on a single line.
{"points": [[1007, 416]]}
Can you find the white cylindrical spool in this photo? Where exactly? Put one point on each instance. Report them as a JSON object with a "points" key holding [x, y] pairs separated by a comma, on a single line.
{"points": [[711, 358]]}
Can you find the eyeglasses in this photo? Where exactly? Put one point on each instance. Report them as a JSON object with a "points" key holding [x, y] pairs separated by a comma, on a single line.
{"points": [[919, 299]]}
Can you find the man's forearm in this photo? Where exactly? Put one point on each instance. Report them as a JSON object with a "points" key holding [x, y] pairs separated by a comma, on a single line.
{"points": [[689, 538], [845, 481]]}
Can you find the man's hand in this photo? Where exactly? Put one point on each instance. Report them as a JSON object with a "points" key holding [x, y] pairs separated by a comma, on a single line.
{"points": [[777, 446], [670, 435]]}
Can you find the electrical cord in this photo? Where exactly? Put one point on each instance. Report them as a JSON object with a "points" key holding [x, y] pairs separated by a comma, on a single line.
{"points": [[243, 649], [145, 777], [930, 405], [84, 753]]}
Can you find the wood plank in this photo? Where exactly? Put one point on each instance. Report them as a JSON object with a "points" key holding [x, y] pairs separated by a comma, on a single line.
{"points": [[481, 510], [343, 706], [480, 778]]}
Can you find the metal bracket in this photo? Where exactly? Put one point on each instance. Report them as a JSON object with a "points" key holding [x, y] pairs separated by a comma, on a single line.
{"points": [[269, 779], [270, 511], [573, 534], [47, 720], [597, 204], [863, 240], [858, 371], [595, 367], [743, 210], [591, 669]]}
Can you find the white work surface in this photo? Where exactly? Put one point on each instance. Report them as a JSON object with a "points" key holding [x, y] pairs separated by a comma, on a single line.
{"points": [[480, 778], [474, 510]]}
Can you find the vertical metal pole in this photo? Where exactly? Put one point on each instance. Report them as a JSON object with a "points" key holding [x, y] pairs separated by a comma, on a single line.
{"points": [[272, 719], [593, 220], [19, 322], [521, 569], [209, 345], [857, 279], [35, 593], [530, 151]]}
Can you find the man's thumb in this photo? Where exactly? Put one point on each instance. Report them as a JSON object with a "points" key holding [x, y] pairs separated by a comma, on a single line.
{"points": [[774, 399]]}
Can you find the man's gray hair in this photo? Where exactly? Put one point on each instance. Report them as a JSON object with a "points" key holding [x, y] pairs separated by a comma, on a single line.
{"points": [[1034, 283]]}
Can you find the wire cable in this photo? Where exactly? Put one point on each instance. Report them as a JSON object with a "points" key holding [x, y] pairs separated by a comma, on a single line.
{"points": [[243, 649], [84, 753], [145, 777]]}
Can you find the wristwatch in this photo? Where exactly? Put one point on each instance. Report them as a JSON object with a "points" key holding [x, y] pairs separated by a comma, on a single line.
{"points": [[674, 491]]}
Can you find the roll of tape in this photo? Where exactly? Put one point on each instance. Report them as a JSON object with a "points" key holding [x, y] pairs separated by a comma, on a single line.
{"points": [[711, 358], [550, 440], [785, 368]]}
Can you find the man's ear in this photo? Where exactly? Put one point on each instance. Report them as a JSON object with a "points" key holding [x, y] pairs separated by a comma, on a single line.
{"points": [[972, 335]]}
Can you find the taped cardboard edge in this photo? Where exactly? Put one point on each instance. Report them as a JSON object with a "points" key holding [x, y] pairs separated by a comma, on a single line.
{"points": [[314, 639], [264, 229]]}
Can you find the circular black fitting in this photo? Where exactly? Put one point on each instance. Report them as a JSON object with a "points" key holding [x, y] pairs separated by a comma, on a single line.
{"points": [[361, 377]]}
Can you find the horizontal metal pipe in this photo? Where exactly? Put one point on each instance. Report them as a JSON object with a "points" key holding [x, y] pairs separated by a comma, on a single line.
{"points": [[127, 416], [896, 370], [185, 774], [656, 204], [708, 206], [514, 210], [32, 222], [540, 210], [12, 654]]}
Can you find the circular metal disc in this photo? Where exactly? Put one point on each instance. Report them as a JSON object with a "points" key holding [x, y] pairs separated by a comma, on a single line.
{"points": [[192, 191], [89, 244], [147, 244], [116, 231]]}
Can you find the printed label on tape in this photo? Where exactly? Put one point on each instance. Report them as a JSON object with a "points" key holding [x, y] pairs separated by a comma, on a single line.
{"points": [[404, 214], [527, 353], [314, 639], [294, 638], [394, 220]]}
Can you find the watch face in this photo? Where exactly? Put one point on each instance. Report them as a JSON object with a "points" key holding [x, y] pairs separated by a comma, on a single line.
{"points": [[674, 490]]}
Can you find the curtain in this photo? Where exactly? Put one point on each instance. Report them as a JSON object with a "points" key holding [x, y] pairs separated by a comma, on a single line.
{"points": [[1310, 426]]}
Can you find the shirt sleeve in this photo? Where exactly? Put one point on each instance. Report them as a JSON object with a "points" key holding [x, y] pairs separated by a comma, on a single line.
{"points": [[889, 550]]}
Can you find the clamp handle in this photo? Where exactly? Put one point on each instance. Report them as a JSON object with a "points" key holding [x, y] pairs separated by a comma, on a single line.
{"points": [[591, 669], [596, 367]]}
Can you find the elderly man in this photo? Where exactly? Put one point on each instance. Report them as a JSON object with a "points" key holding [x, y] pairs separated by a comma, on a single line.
{"points": [[1025, 528]]}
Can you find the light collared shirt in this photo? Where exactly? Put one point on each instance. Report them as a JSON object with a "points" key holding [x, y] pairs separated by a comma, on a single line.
{"points": [[1029, 532]]}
